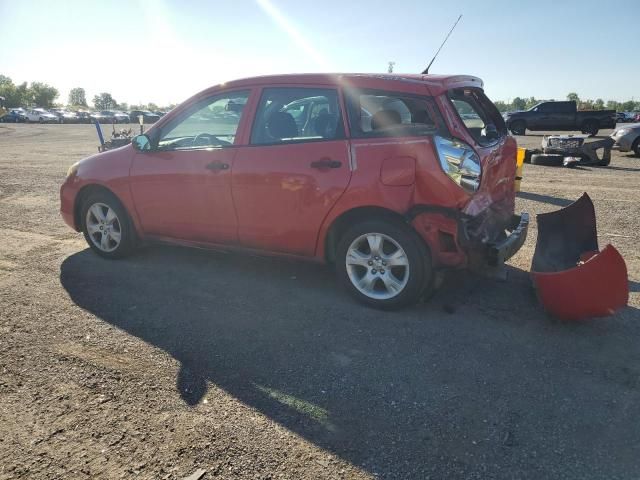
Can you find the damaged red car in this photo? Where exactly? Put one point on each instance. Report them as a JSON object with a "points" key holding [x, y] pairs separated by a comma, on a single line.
{"points": [[390, 178]]}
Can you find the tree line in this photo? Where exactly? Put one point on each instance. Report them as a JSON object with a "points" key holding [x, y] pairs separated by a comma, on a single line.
{"points": [[583, 104], [43, 95]]}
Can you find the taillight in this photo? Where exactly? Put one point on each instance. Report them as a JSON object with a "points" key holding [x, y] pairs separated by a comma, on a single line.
{"points": [[460, 162]]}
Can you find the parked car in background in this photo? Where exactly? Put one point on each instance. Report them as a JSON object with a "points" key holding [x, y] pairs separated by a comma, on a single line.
{"points": [[627, 138], [554, 116], [636, 118], [121, 117], [105, 116], [149, 117], [65, 116], [14, 115], [626, 117], [40, 115], [375, 184], [83, 116]]}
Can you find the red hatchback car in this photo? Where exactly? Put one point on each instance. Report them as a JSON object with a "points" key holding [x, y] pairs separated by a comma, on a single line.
{"points": [[388, 177]]}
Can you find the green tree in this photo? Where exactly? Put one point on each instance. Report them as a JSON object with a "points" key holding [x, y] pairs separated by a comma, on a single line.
{"points": [[501, 106], [123, 106], [586, 105], [15, 96], [519, 103], [628, 106], [598, 104], [573, 97], [77, 97], [42, 94], [104, 101], [612, 105], [531, 102]]}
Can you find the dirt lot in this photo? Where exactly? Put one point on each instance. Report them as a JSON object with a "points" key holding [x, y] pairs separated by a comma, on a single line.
{"points": [[258, 368]]}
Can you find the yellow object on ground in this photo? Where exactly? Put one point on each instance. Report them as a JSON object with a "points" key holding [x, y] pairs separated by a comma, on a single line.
{"points": [[519, 163]]}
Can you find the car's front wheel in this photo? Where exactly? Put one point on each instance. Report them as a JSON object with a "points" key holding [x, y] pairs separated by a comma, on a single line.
{"points": [[383, 264], [106, 226], [518, 127]]}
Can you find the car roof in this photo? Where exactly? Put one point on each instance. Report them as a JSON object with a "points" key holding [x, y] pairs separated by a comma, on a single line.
{"points": [[437, 83]]}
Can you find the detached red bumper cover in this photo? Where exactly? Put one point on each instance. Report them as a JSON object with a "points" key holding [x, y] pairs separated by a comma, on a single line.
{"points": [[575, 280]]}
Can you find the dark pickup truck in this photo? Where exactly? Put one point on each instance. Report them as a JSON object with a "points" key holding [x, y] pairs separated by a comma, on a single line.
{"points": [[560, 116]]}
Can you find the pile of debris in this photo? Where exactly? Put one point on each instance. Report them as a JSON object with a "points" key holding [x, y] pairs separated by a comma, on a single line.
{"points": [[571, 151]]}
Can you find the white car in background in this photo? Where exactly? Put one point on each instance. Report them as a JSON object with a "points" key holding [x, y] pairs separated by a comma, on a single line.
{"points": [[40, 115]]}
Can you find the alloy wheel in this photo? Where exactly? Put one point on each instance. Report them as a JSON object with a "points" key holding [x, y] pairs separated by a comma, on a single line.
{"points": [[377, 266], [103, 227]]}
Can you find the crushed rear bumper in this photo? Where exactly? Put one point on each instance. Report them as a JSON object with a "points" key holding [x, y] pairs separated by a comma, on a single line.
{"points": [[573, 278], [502, 251]]}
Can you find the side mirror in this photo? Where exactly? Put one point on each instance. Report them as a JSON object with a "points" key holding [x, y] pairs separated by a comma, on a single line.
{"points": [[141, 143]]}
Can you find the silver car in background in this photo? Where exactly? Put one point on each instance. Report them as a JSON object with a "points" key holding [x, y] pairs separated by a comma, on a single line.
{"points": [[627, 138]]}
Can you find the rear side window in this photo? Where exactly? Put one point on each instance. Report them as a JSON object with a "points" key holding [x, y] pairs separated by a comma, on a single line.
{"points": [[294, 115], [479, 115], [391, 114]]}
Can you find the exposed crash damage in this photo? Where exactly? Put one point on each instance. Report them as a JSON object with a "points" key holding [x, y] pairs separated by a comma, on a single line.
{"points": [[574, 280], [577, 149], [571, 151]]}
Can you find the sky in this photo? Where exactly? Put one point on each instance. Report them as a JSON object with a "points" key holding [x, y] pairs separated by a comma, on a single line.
{"points": [[164, 51]]}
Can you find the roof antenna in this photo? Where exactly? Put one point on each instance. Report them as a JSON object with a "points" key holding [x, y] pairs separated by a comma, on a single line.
{"points": [[426, 70]]}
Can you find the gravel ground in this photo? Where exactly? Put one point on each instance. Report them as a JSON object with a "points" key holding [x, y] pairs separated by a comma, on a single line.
{"points": [[176, 359]]}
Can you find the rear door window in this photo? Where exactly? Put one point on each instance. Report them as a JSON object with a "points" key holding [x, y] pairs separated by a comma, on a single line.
{"points": [[479, 115], [391, 114], [288, 114]]}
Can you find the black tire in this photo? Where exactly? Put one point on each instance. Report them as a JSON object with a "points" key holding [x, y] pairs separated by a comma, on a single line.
{"points": [[419, 276], [124, 226], [518, 128], [636, 147], [605, 162], [41, 120], [590, 127], [547, 159]]}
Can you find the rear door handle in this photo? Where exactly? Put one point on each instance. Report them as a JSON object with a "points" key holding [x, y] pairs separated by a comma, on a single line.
{"points": [[326, 163], [217, 166]]}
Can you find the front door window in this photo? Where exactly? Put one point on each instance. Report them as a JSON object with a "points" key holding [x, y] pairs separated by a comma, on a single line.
{"points": [[213, 122]]}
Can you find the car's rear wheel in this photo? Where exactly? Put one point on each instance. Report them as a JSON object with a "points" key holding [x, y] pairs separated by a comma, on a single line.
{"points": [[106, 226], [518, 128], [636, 147], [383, 264], [591, 128]]}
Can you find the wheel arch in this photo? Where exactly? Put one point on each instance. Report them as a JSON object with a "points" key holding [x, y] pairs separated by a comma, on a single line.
{"points": [[350, 217], [87, 190], [590, 121]]}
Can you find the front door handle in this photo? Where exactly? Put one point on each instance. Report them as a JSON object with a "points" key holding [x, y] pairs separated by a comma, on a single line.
{"points": [[217, 166], [326, 163]]}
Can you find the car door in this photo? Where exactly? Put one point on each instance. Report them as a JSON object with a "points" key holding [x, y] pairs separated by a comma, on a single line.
{"points": [[182, 186], [539, 119], [289, 176]]}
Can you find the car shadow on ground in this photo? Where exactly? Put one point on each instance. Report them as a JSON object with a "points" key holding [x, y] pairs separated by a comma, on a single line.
{"points": [[537, 197], [468, 384]]}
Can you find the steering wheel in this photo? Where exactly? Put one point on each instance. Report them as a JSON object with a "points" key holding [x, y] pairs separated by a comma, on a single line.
{"points": [[205, 139], [210, 141]]}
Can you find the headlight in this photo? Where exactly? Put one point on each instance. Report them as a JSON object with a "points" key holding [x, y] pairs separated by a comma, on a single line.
{"points": [[460, 162], [73, 169], [622, 131]]}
